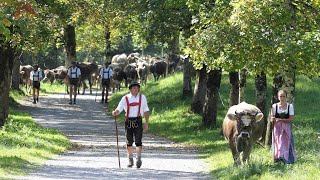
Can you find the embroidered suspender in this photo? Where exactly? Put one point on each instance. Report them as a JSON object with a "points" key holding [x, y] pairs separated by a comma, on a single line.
{"points": [[108, 71], [133, 104], [74, 72], [139, 106], [128, 108], [36, 75]]}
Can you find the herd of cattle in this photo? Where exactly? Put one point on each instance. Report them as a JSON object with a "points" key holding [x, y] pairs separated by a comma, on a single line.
{"points": [[126, 69], [242, 125]]}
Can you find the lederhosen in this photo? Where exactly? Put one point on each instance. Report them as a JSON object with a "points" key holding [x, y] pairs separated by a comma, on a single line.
{"points": [[74, 81], [36, 84], [105, 80], [133, 125]]}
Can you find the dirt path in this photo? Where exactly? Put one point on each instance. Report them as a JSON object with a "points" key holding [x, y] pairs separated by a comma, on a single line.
{"points": [[87, 125]]}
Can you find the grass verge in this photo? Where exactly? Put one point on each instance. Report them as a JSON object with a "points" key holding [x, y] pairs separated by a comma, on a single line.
{"points": [[24, 145], [171, 118]]}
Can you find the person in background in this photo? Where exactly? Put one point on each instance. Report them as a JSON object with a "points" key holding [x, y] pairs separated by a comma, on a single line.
{"points": [[74, 76], [105, 74], [136, 107], [282, 116], [35, 77]]}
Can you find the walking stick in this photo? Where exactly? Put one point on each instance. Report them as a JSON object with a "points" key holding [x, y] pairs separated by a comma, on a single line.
{"points": [[115, 121], [95, 99], [65, 92]]}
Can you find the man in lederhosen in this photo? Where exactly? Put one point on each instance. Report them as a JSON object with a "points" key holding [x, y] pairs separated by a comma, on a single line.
{"points": [[74, 76], [136, 107], [105, 74], [35, 77]]}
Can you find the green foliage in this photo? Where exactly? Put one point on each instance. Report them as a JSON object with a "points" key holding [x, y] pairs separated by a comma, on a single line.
{"points": [[170, 117], [256, 35]]}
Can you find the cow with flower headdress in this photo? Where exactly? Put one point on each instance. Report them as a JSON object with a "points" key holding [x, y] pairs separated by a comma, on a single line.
{"points": [[242, 126]]}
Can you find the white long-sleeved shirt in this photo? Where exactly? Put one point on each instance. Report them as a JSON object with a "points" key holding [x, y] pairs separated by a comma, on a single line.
{"points": [[133, 109]]}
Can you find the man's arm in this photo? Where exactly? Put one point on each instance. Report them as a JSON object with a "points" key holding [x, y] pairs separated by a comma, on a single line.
{"points": [[146, 124]]}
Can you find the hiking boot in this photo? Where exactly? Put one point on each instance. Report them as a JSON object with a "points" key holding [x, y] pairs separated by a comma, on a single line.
{"points": [[139, 163], [130, 164], [74, 101], [37, 99], [102, 101], [70, 102], [34, 102]]}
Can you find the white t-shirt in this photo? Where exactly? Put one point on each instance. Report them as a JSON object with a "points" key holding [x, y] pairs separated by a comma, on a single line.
{"points": [[291, 110]]}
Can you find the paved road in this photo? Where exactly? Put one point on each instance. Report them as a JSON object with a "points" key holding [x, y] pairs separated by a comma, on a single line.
{"points": [[87, 125]]}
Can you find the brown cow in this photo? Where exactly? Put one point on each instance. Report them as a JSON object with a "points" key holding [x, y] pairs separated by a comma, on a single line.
{"points": [[131, 73], [118, 76], [143, 72], [25, 76], [242, 127], [87, 71]]}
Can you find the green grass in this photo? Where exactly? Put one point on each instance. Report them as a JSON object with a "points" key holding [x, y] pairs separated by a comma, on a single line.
{"points": [[52, 88], [24, 145], [45, 88], [171, 118]]}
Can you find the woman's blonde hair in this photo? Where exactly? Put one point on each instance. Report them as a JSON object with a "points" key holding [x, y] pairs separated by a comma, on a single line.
{"points": [[282, 91]]}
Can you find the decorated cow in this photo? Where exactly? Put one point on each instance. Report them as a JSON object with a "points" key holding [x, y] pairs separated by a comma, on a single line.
{"points": [[242, 127]]}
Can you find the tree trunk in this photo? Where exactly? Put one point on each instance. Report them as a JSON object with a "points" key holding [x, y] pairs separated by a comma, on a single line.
{"points": [[234, 89], [242, 85], [70, 45], [261, 97], [108, 44], [15, 73], [4, 82], [210, 108], [173, 55], [187, 88], [200, 91]]}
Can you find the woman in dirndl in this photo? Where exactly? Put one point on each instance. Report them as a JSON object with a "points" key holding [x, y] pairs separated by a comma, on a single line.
{"points": [[282, 116]]}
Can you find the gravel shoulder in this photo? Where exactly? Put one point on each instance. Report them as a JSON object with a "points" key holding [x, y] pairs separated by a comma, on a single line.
{"points": [[95, 157]]}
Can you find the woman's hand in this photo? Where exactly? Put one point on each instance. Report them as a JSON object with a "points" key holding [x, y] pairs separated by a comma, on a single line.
{"points": [[275, 120]]}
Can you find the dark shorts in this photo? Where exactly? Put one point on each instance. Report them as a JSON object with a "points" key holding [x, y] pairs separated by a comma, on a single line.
{"points": [[105, 82], [74, 81], [36, 84], [134, 132]]}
